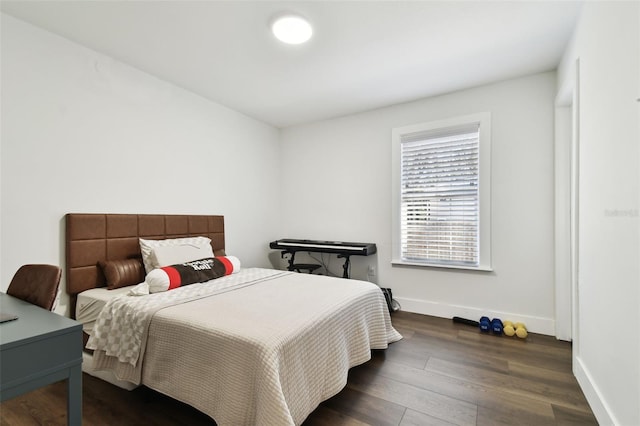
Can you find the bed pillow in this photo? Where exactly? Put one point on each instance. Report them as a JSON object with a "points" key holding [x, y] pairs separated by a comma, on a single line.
{"points": [[146, 246], [198, 271], [173, 255], [122, 273]]}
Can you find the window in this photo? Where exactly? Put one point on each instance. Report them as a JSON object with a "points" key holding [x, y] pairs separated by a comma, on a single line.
{"points": [[441, 193]]}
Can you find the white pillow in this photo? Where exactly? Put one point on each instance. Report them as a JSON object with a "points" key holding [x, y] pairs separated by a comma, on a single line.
{"points": [[173, 255], [141, 289], [147, 246]]}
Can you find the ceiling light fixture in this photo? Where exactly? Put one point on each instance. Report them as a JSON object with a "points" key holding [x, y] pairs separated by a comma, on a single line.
{"points": [[291, 29]]}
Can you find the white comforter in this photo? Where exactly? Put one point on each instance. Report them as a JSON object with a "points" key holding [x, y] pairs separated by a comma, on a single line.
{"points": [[260, 347]]}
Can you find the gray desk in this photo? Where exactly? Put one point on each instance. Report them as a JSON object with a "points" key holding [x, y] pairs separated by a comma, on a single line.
{"points": [[37, 349]]}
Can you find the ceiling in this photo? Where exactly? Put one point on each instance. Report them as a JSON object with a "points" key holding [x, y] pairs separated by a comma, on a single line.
{"points": [[363, 55]]}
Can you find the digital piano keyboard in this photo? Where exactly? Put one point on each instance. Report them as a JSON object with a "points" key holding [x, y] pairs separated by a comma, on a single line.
{"points": [[341, 248]]}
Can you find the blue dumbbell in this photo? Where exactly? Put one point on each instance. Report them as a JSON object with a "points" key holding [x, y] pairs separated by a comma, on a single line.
{"points": [[496, 326], [485, 324]]}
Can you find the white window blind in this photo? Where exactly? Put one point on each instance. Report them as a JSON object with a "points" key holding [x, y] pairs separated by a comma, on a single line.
{"points": [[440, 216], [441, 193]]}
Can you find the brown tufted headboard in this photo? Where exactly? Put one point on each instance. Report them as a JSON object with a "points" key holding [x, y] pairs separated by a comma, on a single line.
{"points": [[91, 238]]}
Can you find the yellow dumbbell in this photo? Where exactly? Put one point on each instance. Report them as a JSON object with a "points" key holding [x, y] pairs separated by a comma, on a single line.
{"points": [[521, 330], [509, 329]]}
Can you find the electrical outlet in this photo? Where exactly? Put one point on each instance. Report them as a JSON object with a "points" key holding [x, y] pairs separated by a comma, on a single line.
{"points": [[371, 271]]}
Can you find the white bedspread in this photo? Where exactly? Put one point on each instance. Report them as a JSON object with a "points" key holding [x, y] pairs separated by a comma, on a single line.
{"points": [[264, 349], [121, 328]]}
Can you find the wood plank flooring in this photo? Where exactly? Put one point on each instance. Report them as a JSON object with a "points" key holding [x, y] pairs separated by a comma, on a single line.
{"points": [[441, 373]]}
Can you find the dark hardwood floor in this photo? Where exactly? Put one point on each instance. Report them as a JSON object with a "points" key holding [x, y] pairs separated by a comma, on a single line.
{"points": [[441, 373]]}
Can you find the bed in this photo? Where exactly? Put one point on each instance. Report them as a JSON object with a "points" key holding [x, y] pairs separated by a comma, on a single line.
{"points": [[254, 346]]}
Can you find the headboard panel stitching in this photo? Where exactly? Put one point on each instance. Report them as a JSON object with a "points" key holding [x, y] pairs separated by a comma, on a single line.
{"points": [[94, 237]]}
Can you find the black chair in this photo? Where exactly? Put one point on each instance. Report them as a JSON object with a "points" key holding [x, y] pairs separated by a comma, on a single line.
{"points": [[36, 284], [309, 267]]}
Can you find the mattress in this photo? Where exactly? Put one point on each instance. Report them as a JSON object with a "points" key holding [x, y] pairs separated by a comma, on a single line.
{"points": [[91, 302]]}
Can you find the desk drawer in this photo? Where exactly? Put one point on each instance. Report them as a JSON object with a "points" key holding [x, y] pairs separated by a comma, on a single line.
{"points": [[36, 358]]}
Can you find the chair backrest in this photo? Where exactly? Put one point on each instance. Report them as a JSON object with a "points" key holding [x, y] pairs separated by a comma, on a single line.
{"points": [[36, 284]]}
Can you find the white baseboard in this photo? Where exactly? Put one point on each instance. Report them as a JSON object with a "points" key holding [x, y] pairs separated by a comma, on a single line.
{"points": [[533, 324], [590, 390]]}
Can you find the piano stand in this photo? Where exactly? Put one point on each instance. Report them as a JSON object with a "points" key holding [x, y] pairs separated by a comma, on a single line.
{"points": [[345, 266]]}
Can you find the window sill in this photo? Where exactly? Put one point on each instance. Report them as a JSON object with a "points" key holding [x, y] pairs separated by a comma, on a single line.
{"points": [[481, 268]]}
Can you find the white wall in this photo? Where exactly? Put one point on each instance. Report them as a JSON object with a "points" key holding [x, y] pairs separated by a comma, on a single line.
{"points": [[82, 132], [607, 356], [336, 185]]}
